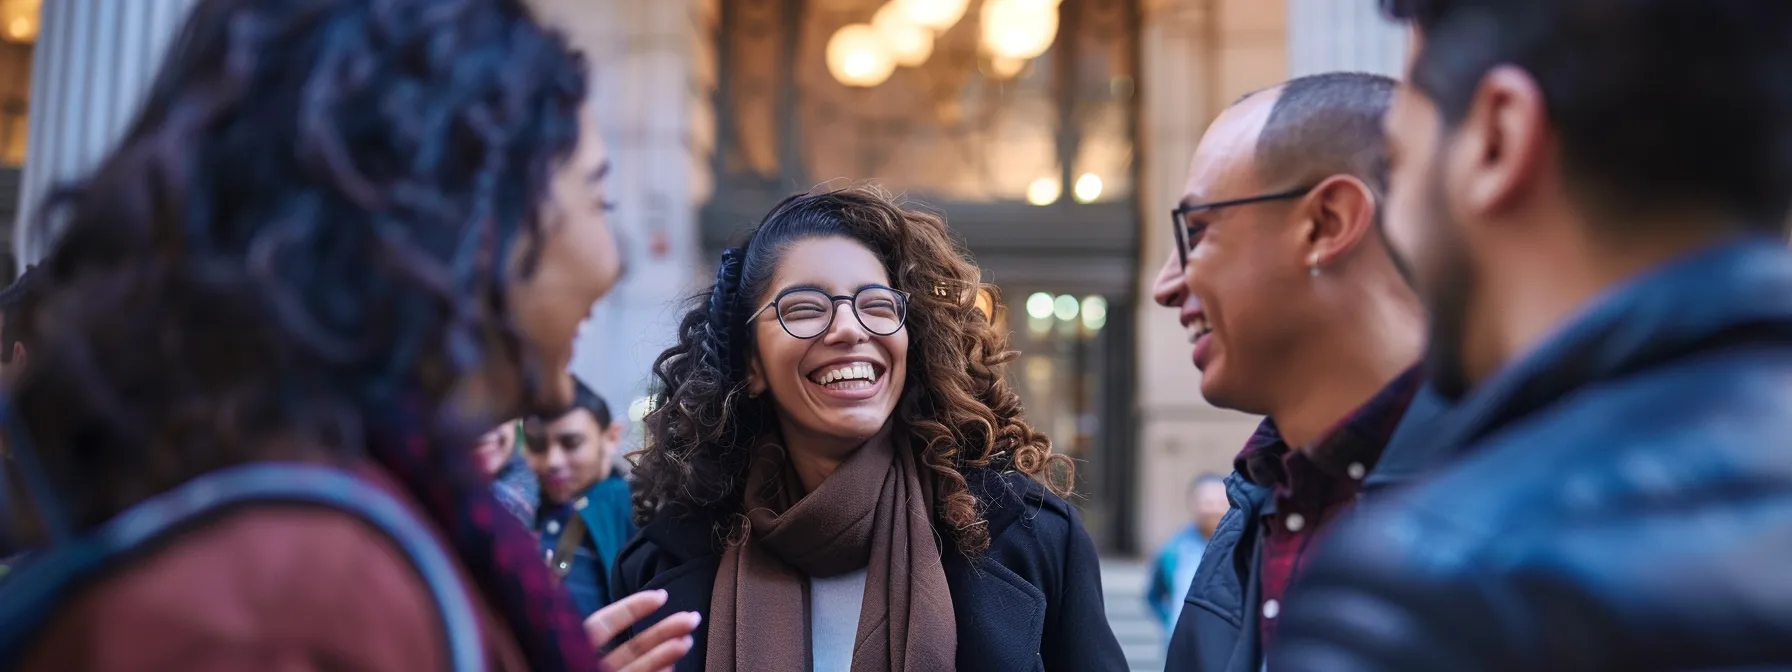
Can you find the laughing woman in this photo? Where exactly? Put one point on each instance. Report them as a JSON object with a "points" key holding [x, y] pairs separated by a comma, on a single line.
{"points": [[838, 476]]}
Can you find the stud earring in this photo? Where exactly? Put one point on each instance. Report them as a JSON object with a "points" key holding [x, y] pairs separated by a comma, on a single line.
{"points": [[1313, 265]]}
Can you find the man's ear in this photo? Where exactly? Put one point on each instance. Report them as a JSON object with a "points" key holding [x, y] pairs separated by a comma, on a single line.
{"points": [[614, 432], [1503, 142], [1341, 212]]}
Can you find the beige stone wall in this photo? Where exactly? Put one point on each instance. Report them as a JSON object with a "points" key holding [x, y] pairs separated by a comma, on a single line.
{"points": [[1331, 35], [92, 62], [651, 74], [1197, 57]]}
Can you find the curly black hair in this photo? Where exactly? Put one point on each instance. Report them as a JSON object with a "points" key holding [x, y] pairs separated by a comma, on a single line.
{"points": [[305, 232], [958, 410]]}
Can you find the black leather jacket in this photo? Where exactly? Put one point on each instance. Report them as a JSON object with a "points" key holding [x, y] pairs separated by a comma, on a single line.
{"points": [[1621, 499], [1217, 631]]}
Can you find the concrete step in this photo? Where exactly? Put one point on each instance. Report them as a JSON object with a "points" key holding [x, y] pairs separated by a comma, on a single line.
{"points": [[1141, 638]]}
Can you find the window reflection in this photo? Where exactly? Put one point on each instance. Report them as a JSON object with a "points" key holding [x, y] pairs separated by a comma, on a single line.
{"points": [[962, 126], [751, 58], [15, 96], [1104, 98], [944, 128]]}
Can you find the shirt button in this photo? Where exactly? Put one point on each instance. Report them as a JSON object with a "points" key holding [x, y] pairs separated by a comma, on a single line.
{"points": [[581, 504], [553, 527], [563, 566], [1356, 470], [1271, 608], [1295, 521]]}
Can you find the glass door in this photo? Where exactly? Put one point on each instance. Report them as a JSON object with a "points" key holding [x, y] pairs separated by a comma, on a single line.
{"points": [[1072, 376]]}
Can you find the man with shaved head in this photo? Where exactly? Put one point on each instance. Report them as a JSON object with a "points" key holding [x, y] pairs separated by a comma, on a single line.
{"points": [[1295, 310]]}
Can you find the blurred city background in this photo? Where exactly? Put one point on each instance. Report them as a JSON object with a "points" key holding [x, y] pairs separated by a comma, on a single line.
{"points": [[1053, 135]]}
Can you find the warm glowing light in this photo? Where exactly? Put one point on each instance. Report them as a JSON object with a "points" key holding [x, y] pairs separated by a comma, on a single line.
{"points": [[1095, 313], [1019, 28], [1044, 191], [1065, 307], [909, 43], [1002, 67], [937, 15], [857, 56], [1087, 188], [21, 19], [1039, 306]]}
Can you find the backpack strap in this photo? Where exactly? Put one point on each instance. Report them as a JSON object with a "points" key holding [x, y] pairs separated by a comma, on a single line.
{"points": [[30, 595]]}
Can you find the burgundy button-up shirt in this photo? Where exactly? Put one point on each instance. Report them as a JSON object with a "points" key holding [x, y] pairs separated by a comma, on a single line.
{"points": [[1312, 486]]}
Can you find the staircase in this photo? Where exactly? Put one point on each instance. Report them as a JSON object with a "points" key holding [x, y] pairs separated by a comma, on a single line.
{"points": [[1141, 637]]}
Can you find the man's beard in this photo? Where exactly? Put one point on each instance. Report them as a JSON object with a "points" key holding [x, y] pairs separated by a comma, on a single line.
{"points": [[1452, 282]]}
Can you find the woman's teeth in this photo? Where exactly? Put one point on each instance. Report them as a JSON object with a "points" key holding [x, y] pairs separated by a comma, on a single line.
{"points": [[848, 377]]}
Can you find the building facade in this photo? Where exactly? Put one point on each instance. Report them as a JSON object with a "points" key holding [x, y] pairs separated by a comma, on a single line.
{"points": [[1053, 146]]}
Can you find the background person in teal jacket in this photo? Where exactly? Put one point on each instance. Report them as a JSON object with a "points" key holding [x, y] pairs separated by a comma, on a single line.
{"points": [[1175, 566], [584, 517]]}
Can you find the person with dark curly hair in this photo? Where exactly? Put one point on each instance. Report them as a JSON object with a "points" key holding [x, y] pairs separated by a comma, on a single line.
{"points": [[838, 475], [339, 234]]}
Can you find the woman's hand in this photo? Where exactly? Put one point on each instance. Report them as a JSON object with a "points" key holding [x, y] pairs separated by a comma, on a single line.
{"points": [[656, 649]]}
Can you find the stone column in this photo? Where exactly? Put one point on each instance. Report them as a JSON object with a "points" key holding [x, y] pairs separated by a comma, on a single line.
{"points": [[93, 61], [1197, 57], [1330, 35], [650, 92]]}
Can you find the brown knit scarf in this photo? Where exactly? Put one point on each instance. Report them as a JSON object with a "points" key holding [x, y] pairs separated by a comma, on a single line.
{"points": [[873, 512]]}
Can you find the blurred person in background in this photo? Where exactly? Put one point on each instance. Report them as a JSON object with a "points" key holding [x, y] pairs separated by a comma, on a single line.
{"points": [[1588, 195], [1294, 310], [337, 233], [513, 483], [1174, 568], [585, 512], [840, 475]]}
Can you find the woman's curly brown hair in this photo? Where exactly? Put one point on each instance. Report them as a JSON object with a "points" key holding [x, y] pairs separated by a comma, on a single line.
{"points": [[958, 409]]}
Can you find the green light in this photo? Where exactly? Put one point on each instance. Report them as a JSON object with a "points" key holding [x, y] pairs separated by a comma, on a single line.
{"points": [[1095, 313], [1039, 305], [1065, 307]]}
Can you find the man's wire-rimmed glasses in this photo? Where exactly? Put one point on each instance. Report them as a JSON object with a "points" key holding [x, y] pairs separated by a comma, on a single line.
{"points": [[806, 313], [1179, 217]]}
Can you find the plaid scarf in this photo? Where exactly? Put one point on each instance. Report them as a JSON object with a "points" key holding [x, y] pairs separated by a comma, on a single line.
{"points": [[493, 545]]}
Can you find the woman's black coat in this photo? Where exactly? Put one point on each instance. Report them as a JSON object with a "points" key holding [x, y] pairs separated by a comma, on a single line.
{"points": [[1031, 602]]}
